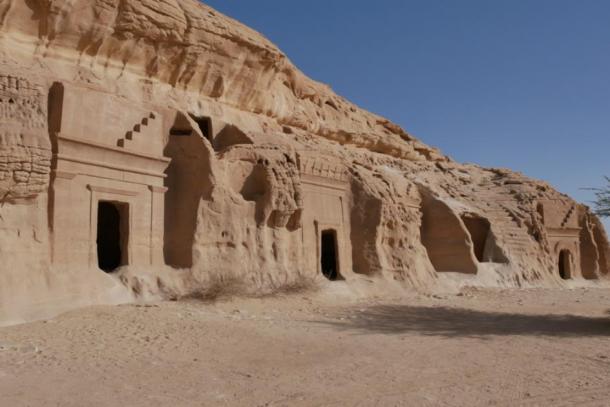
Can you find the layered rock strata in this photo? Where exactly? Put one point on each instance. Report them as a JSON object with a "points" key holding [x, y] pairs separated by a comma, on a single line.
{"points": [[154, 147]]}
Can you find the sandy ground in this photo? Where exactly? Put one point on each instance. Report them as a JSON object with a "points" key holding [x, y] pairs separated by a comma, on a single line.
{"points": [[498, 348]]}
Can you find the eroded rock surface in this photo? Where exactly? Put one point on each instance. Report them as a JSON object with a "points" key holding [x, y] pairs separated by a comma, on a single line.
{"points": [[179, 147], [25, 148]]}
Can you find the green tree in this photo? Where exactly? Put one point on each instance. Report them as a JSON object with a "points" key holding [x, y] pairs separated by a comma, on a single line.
{"points": [[602, 200]]}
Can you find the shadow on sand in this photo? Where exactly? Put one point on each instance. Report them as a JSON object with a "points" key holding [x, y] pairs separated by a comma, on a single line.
{"points": [[459, 322]]}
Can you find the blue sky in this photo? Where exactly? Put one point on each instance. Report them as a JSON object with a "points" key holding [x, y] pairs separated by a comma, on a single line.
{"points": [[523, 84]]}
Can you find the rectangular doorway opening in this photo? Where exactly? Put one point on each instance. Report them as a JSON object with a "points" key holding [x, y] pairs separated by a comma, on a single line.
{"points": [[329, 255], [112, 235]]}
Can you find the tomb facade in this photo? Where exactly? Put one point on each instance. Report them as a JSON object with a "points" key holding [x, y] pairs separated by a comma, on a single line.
{"points": [[326, 219], [161, 150], [113, 157], [560, 219]]}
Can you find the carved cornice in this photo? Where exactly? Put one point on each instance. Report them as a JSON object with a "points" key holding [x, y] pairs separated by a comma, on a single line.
{"points": [[112, 191]]}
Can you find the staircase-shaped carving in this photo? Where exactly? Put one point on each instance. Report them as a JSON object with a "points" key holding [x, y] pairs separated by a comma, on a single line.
{"points": [[133, 138], [506, 224], [509, 231], [513, 216], [568, 216]]}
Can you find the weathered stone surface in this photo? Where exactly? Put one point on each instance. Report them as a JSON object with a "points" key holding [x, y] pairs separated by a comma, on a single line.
{"points": [[168, 141], [25, 149]]}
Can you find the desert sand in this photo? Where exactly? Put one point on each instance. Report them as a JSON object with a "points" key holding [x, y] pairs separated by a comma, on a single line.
{"points": [[186, 219], [480, 347]]}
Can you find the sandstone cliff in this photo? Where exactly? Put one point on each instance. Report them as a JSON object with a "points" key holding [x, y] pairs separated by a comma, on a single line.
{"points": [[217, 161]]}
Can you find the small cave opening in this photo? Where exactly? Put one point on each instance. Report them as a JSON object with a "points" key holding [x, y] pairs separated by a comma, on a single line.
{"points": [[205, 125], [445, 238], [478, 228], [112, 235], [329, 260], [484, 244], [565, 264]]}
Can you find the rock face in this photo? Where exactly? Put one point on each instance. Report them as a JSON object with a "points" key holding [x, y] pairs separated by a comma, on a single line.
{"points": [[164, 140]]}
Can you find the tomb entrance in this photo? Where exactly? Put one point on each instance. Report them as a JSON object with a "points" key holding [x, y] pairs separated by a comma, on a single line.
{"points": [[329, 260], [112, 235], [565, 264]]}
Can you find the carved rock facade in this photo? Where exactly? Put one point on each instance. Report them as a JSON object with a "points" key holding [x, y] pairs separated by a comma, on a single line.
{"points": [[175, 149]]}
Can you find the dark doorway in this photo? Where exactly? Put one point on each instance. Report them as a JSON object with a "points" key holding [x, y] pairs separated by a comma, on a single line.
{"points": [[205, 125], [479, 233], [329, 259], [565, 264], [111, 235]]}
